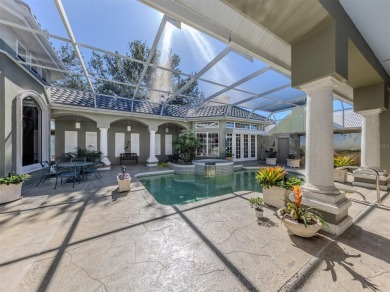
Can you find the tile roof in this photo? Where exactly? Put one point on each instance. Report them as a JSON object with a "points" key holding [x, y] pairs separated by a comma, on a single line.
{"points": [[351, 119], [86, 99]]}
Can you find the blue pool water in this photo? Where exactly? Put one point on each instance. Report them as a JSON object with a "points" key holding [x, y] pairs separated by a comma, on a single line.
{"points": [[182, 189]]}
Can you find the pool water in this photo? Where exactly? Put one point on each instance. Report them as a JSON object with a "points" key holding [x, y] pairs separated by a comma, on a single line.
{"points": [[182, 189]]}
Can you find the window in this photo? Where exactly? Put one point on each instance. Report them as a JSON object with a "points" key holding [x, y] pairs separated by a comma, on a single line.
{"points": [[229, 143], [204, 125], [44, 75], [34, 68], [210, 144], [232, 125], [253, 127], [242, 126], [31, 129], [22, 52], [229, 125]]}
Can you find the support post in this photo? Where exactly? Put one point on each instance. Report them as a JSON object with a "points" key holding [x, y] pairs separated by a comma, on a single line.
{"points": [[103, 146], [152, 160]]}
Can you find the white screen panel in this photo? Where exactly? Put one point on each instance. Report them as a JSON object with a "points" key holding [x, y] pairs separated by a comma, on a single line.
{"points": [[91, 140], [70, 141], [168, 144], [134, 142], [158, 144], [119, 143]]}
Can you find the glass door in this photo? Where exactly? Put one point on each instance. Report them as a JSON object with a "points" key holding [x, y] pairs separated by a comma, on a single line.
{"points": [[244, 147]]}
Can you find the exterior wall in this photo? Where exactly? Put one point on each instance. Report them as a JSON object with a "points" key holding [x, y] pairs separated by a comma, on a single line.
{"points": [[385, 139], [69, 125], [13, 80]]}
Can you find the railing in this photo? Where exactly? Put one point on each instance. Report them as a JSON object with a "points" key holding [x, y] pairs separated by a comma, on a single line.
{"points": [[378, 188]]}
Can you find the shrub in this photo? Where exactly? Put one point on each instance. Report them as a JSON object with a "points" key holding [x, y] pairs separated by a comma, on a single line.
{"points": [[88, 153], [270, 177], [14, 179], [340, 161], [185, 145], [162, 164], [257, 203], [289, 183]]}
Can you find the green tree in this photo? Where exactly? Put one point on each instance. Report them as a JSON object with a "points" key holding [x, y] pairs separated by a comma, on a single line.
{"points": [[68, 56], [186, 144]]}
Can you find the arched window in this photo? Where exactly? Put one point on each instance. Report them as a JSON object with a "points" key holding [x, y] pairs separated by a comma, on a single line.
{"points": [[32, 140]]}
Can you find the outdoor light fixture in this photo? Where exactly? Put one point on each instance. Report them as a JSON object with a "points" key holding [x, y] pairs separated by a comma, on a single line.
{"points": [[128, 128], [77, 125], [166, 130]]}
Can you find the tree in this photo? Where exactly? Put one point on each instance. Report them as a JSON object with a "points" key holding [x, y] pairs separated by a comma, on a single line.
{"points": [[68, 56], [186, 144]]}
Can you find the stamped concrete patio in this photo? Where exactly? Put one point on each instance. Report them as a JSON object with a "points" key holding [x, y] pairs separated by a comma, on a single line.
{"points": [[92, 238]]}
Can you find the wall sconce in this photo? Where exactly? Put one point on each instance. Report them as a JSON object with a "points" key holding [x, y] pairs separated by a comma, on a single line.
{"points": [[77, 125], [166, 130], [128, 128]]}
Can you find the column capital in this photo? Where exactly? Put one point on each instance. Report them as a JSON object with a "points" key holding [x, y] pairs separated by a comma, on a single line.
{"points": [[103, 129], [371, 112], [326, 83]]}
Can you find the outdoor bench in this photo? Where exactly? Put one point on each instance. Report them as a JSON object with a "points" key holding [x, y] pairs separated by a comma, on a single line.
{"points": [[128, 157]]}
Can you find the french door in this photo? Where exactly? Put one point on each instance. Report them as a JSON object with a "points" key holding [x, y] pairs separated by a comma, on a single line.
{"points": [[244, 147]]}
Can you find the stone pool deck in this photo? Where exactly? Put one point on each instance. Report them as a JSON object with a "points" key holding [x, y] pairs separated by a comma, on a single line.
{"points": [[92, 238]]}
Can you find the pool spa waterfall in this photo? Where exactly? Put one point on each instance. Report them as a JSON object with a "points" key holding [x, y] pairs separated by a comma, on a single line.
{"points": [[213, 167]]}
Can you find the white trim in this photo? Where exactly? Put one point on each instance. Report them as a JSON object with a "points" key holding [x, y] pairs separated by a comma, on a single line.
{"points": [[17, 128]]}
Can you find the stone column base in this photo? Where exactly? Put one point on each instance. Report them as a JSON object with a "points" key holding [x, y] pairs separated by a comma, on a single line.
{"points": [[107, 163], [331, 203], [367, 179], [152, 161]]}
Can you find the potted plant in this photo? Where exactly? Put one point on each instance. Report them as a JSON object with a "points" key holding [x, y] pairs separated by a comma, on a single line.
{"points": [[304, 222], [257, 203], [271, 180], [340, 175], [293, 161], [123, 180], [271, 156], [228, 155], [11, 187]]}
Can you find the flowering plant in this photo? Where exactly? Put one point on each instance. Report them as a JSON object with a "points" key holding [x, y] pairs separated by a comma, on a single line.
{"points": [[294, 211]]}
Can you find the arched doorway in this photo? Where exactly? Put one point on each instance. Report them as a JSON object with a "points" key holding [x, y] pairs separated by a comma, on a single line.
{"points": [[31, 132]]}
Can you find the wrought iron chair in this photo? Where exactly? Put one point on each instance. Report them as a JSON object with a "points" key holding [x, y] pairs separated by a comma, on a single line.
{"points": [[93, 169], [68, 172], [46, 172]]}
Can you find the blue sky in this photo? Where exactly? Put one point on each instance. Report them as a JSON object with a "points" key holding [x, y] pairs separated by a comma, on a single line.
{"points": [[110, 25]]}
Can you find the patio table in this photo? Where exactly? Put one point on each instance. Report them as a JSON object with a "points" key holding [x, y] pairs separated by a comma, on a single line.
{"points": [[79, 164]]}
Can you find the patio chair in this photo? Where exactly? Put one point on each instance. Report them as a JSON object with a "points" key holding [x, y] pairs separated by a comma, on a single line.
{"points": [[93, 169], [46, 172], [67, 172]]}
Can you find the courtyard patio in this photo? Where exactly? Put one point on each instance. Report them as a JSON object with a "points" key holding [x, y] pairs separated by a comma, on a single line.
{"points": [[92, 238]]}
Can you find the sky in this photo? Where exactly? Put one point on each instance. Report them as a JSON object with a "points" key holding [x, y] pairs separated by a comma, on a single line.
{"points": [[110, 25]]}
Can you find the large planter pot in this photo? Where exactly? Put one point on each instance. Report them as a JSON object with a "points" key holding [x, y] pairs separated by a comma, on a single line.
{"points": [[229, 158], [275, 197], [340, 175], [299, 229], [270, 161], [293, 163], [11, 192], [123, 184]]}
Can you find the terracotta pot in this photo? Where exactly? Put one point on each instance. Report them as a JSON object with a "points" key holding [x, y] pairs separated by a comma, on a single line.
{"points": [[9, 193], [270, 161], [299, 229], [275, 197]]}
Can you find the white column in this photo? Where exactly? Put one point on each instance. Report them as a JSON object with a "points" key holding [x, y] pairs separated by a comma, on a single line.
{"points": [[319, 190], [370, 155], [152, 160], [103, 146]]}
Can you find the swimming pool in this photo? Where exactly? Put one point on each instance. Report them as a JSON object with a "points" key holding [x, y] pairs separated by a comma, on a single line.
{"points": [[186, 188], [183, 189]]}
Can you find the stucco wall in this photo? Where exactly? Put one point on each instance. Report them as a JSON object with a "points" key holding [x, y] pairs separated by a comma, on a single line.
{"points": [[13, 81]]}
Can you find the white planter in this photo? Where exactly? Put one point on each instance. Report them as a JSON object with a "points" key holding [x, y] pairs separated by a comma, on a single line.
{"points": [[9, 193], [299, 229], [293, 163], [259, 214], [340, 175], [275, 197], [270, 161], [123, 184]]}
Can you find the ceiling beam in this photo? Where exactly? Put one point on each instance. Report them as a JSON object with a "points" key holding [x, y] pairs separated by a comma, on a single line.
{"points": [[243, 80], [72, 38], [262, 94], [200, 73]]}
